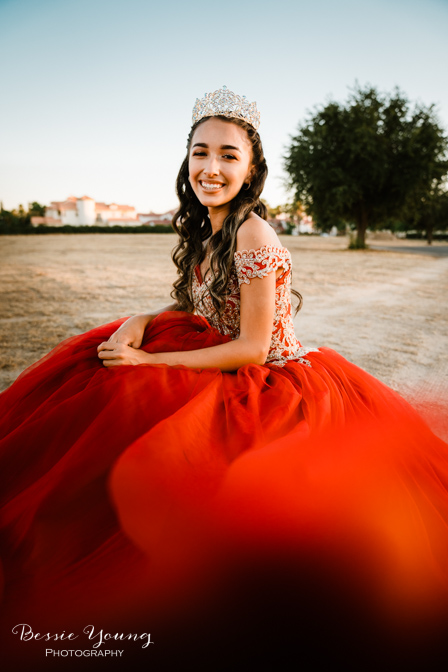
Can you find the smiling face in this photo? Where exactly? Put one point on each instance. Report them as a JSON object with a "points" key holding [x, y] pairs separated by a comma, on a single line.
{"points": [[220, 162]]}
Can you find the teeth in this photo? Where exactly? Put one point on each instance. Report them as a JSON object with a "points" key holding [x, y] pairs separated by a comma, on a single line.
{"points": [[211, 186]]}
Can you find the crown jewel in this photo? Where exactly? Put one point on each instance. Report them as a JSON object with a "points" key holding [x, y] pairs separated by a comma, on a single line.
{"points": [[229, 104]]}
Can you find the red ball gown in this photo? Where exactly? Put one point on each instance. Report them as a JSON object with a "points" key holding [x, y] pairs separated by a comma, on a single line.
{"points": [[304, 489]]}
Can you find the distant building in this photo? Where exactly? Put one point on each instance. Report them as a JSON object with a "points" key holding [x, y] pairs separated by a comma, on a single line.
{"points": [[153, 219], [85, 211], [306, 224], [283, 222]]}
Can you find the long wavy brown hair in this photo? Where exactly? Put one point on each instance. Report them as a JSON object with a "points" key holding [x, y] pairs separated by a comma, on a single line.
{"points": [[193, 226]]}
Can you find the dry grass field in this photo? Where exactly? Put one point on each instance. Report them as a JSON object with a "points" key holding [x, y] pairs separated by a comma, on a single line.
{"points": [[385, 310]]}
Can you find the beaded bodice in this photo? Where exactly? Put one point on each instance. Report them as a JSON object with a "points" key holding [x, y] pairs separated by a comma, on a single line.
{"points": [[249, 264]]}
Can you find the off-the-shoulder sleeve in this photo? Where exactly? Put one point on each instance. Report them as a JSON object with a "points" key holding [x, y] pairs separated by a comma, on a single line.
{"points": [[258, 263]]}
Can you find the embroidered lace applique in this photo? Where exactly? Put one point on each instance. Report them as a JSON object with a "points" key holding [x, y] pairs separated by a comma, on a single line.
{"points": [[249, 264]]}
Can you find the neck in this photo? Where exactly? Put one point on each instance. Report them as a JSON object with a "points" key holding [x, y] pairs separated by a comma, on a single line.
{"points": [[217, 217]]}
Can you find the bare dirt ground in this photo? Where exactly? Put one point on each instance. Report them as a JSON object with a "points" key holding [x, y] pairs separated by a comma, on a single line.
{"points": [[383, 309]]}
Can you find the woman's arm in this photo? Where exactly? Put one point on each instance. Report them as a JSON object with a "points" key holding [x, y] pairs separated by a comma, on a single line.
{"points": [[130, 333], [256, 321], [252, 346]]}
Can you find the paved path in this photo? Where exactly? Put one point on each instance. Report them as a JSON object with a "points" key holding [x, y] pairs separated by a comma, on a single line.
{"points": [[431, 250]]}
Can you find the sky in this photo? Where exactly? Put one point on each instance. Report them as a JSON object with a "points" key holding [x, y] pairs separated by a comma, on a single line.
{"points": [[97, 95]]}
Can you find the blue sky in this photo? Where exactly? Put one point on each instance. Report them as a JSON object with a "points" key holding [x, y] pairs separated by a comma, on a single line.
{"points": [[97, 94]]}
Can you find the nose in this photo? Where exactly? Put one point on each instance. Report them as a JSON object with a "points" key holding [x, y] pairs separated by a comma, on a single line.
{"points": [[211, 167]]}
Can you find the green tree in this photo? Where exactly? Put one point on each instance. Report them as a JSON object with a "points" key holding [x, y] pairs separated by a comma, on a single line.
{"points": [[36, 209], [272, 212], [14, 221], [431, 212], [361, 162], [294, 210]]}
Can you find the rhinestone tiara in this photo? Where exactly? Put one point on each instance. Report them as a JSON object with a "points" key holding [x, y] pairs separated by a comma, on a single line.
{"points": [[229, 104]]}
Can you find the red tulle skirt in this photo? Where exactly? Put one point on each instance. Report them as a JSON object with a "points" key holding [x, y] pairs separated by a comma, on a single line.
{"points": [[181, 496]]}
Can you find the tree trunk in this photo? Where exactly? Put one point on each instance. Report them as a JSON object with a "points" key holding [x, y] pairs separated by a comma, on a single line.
{"points": [[361, 237], [361, 228], [429, 230]]}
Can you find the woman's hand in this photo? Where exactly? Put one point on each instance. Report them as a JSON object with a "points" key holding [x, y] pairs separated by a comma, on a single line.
{"points": [[122, 347], [131, 332], [120, 354]]}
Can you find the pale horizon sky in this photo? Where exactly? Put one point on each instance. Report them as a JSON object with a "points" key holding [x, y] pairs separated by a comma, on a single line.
{"points": [[97, 94]]}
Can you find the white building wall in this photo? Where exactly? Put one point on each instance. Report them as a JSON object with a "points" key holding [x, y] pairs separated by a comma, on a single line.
{"points": [[70, 217], [52, 212], [121, 214], [86, 211]]}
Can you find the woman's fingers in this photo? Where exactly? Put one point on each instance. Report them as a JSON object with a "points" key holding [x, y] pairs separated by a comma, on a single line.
{"points": [[109, 345], [118, 354], [111, 350], [111, 362], [107, 354]]}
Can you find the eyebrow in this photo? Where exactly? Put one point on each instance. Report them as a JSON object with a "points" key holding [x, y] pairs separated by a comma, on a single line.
{"points": [[204, 144]]}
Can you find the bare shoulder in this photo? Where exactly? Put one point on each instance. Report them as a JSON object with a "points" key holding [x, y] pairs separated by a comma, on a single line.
{"points": [[255, 232]]}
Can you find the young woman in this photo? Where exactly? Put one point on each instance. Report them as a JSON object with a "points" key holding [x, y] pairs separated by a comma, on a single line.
{"points": [[138, 456]]}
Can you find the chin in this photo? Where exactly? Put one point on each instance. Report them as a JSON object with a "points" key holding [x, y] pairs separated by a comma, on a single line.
{"points": [[211, 202]]}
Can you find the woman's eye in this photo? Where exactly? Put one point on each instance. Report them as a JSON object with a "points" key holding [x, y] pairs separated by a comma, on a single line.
{"points": [[225, 156]]}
